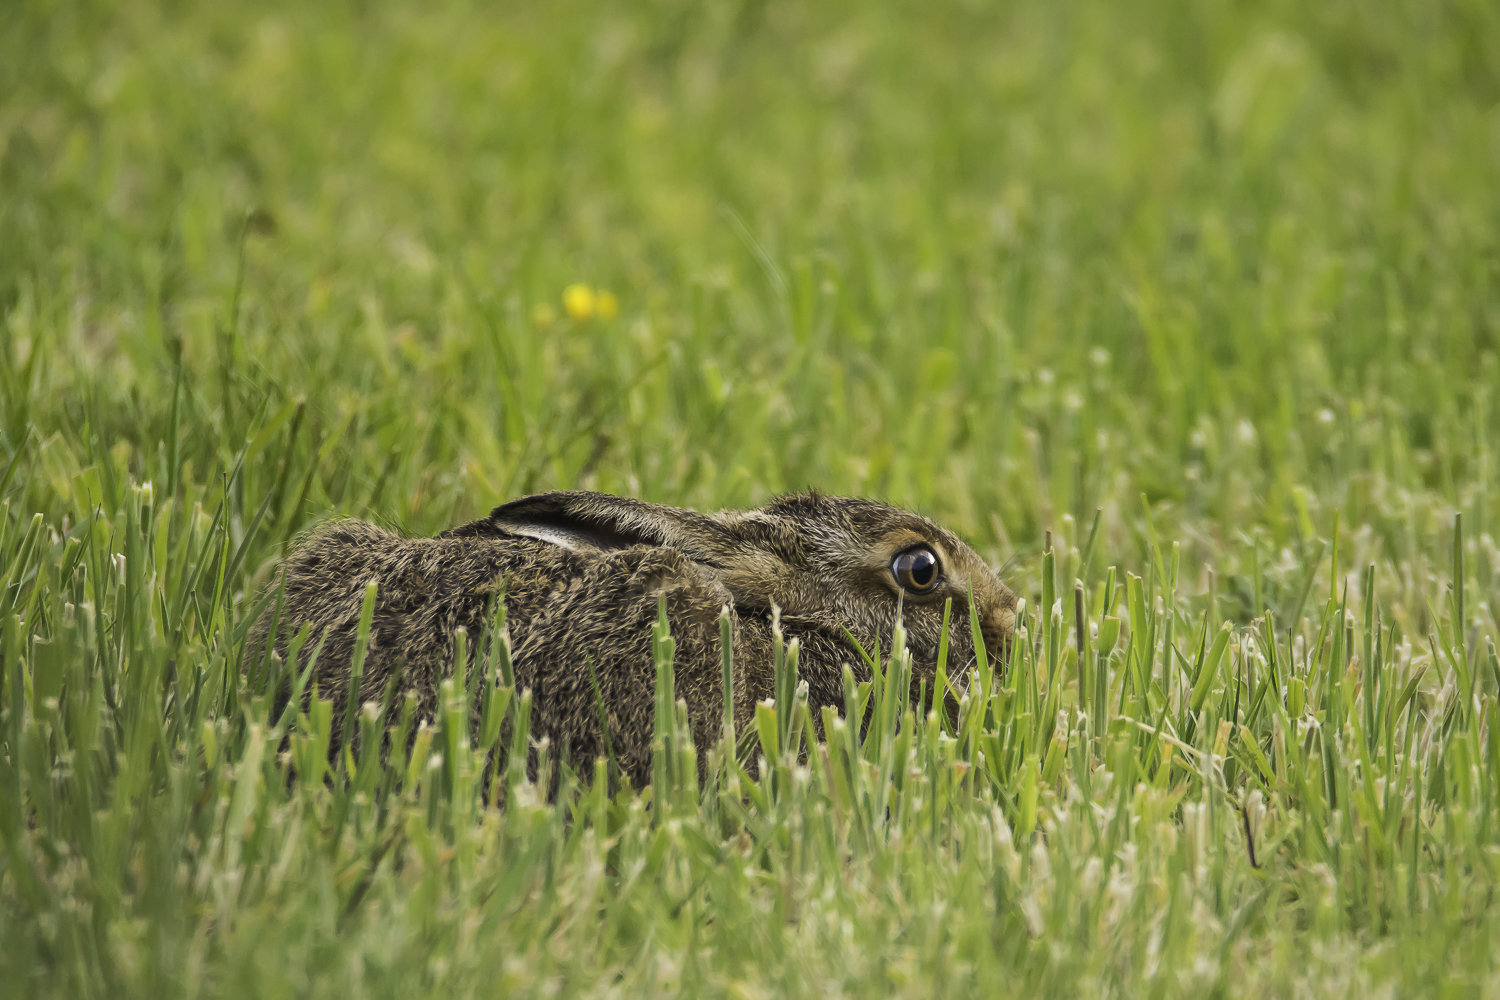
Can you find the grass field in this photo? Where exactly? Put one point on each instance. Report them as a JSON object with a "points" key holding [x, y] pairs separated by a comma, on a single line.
{"points": [[1207, 293]]}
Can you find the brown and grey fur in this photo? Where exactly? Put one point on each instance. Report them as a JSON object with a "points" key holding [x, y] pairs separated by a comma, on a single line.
{"points": [[582, 573]]}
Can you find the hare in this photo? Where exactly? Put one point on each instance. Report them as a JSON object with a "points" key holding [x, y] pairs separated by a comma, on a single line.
{"points": [[581, 575]]}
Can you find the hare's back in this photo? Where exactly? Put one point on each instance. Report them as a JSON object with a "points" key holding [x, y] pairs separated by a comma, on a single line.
{"points": [[325, 578], [427, 588]]}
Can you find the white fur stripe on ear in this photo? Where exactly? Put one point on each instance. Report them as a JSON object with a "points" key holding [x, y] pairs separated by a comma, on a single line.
{"points": [[570, 540], [583, 520], [582, 534]]}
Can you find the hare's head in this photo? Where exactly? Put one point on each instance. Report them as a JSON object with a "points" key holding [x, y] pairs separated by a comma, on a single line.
{"points": [[833, 560]]}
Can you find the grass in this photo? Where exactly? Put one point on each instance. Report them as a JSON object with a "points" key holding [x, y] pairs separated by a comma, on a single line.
{"points": [[1206, 294]]}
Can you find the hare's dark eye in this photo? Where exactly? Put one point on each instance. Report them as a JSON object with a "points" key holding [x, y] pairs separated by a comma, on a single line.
{"points": [[916, 569]]}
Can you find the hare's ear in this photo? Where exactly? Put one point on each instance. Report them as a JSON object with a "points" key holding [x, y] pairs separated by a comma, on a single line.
{"points": [[579, 520]]}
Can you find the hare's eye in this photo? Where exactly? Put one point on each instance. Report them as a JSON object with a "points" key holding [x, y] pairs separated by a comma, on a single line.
{"points": [[916, 569]]}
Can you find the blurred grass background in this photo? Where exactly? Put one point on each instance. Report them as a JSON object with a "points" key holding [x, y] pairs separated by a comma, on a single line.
{"points": [[1229, 272], [1020, 259]]}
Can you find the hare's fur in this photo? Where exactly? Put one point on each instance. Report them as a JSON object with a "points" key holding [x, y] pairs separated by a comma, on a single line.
{"points": [[582, 574]]}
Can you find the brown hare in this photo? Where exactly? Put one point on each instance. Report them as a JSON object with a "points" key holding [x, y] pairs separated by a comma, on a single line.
{"points": [[582, 575]]}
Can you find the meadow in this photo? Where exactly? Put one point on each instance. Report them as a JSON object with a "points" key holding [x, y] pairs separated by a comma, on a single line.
{"points": [[1186, 315]]}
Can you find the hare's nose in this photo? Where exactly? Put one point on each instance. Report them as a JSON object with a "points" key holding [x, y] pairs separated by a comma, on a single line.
{"points": [[997, 626]]}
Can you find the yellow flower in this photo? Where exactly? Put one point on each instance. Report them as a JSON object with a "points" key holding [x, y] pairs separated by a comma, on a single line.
{"points": [[606, 305], [542, 314], [578, 300]]}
